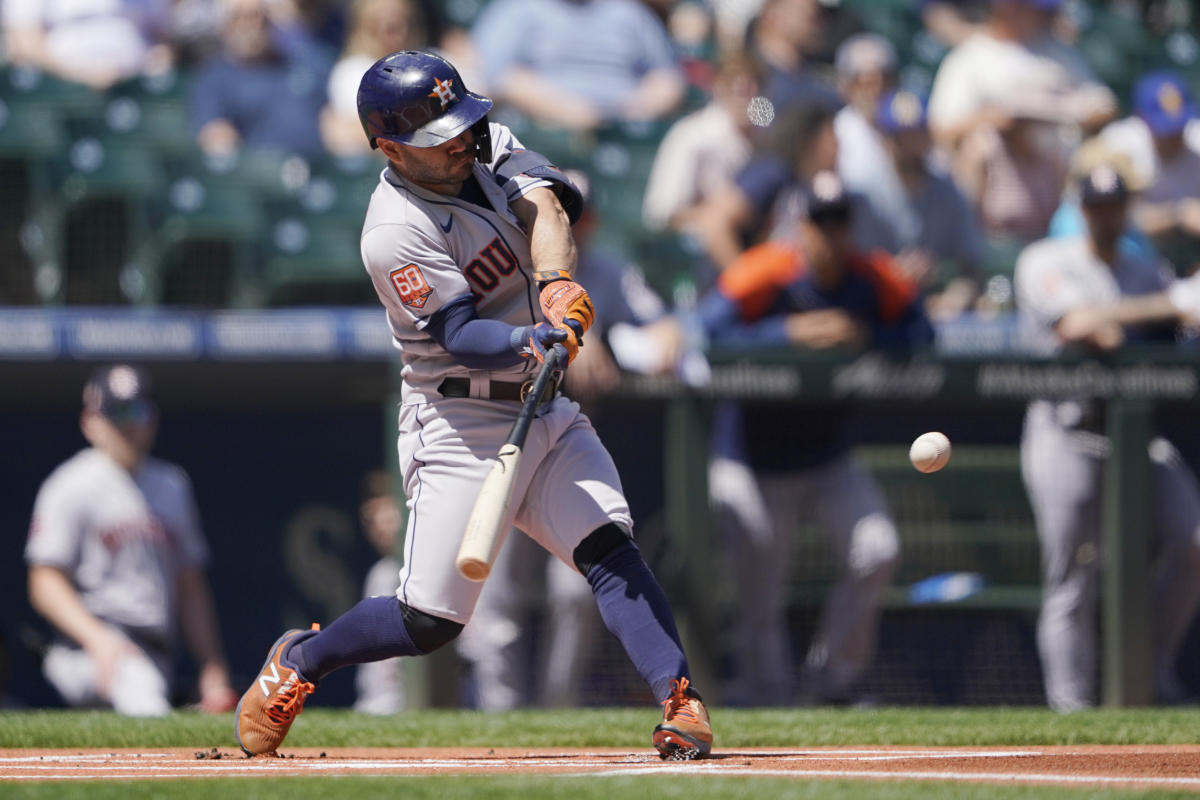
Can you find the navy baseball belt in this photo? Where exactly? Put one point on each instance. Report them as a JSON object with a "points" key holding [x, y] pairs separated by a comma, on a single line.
{"points": [[496, 390]]}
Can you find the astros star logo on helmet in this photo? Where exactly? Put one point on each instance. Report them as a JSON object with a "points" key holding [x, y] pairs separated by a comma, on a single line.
{"points": [[442, 91]]}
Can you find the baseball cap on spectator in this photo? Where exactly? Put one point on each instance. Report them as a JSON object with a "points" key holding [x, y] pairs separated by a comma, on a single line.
{"points": [[900, 110], [1162, 100], [1102, 185], [120, 392], [828, 202], [862, 53]]}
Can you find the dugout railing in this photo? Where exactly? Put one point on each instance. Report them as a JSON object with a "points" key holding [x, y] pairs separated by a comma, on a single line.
{"points": [[897, 391]]}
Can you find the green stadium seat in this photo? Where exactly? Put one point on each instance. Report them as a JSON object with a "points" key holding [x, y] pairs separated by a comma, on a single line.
{"points": [[28, 84], [202, 251], [314, 260], [618, 167]]}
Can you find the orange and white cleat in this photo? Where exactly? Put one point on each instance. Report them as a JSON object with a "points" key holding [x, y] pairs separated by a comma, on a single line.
{"points": [[271, 704], [684, 734]]}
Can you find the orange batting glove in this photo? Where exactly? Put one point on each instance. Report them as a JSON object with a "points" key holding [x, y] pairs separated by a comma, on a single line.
{"points": [[566, 304]]}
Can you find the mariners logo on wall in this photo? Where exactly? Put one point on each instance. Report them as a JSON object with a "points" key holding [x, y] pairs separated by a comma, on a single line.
{"points": [[442, 91]]}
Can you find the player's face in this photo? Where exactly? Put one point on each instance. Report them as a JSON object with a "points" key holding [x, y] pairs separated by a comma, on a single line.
{"points": [[1106, 221], [441, 169], [126, 441]]}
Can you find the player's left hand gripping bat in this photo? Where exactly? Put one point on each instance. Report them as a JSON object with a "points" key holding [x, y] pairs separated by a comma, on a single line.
{"points": [[487, 525]]}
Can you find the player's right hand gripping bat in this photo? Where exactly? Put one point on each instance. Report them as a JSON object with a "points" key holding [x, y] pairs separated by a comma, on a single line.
{"points": [[487, 526]]}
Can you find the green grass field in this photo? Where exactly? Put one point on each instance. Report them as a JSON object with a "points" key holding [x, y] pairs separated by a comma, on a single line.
{"points": [[609, 727]]}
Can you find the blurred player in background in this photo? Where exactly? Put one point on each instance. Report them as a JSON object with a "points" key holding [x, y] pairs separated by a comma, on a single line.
{"points": [[468, 243], [778, 466], [378, 685], [116, 562], [1089, 292]]}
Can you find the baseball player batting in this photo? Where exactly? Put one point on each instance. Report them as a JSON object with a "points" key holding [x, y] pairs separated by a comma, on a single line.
{"points": [[1090, 291], [468, 243]]}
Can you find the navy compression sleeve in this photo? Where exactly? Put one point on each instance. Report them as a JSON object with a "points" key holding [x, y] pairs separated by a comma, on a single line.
{"points": [[473, 342]]}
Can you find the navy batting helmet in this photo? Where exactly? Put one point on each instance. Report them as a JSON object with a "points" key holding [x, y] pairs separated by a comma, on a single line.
{"points": [[418, 98]]}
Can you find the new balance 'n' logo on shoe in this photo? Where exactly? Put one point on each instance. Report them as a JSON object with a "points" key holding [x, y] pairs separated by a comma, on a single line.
{"points": [[684, 733], [272, 702]]}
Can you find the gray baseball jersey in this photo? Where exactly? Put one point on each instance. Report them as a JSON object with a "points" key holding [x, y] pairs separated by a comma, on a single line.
{"points": [[422, 251], [120, 537], [1063, 449]]}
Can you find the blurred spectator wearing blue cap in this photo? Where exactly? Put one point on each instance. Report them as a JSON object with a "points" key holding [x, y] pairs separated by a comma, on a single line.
{"points": [[1168, 210], [939, 242]]}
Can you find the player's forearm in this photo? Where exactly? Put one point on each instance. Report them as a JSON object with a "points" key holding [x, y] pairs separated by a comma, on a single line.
{"points": [[1143, 309], [551, 244], [198, 619], [52, 595]]}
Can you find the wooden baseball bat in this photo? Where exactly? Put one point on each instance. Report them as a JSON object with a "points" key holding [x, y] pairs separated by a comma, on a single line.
{"points": [[487, 526]]}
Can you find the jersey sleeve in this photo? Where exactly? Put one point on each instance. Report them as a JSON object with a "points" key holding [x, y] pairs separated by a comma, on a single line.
{"points": [[56, 530], [754, 279], [1045, 289], [413, 274], [518, 171]]}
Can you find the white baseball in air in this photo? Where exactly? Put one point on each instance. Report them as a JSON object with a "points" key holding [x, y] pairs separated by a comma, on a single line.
{"points": [[930, 451]]}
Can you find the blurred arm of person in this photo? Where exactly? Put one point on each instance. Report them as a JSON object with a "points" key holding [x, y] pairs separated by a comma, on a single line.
{"points": [[198, 621], [946, 21], [1103, 326], [26, 42], [1159, 218], [52, 594], [528, 91], [717, 224], [657, 94]]}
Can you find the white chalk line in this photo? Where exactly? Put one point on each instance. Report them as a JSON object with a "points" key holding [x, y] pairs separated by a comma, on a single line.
{"points": [[168, 766], [1005, 777]]}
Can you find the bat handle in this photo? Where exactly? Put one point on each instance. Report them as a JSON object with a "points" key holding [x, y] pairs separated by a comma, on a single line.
{"points": [[532, 400]]}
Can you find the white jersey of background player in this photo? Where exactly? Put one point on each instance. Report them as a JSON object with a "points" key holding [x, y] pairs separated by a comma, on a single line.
{"points": [[1087, 291], [467, 241], [116, 557]]}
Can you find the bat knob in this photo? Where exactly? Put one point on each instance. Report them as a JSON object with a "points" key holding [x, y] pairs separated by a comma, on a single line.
{"points": [[473, 569]]}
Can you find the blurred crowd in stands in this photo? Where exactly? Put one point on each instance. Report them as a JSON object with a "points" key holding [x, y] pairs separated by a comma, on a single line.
{"points": [[954, 125]]}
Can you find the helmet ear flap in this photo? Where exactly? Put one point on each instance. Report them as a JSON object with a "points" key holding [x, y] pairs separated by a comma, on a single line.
{"points": [[483, 141]]}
